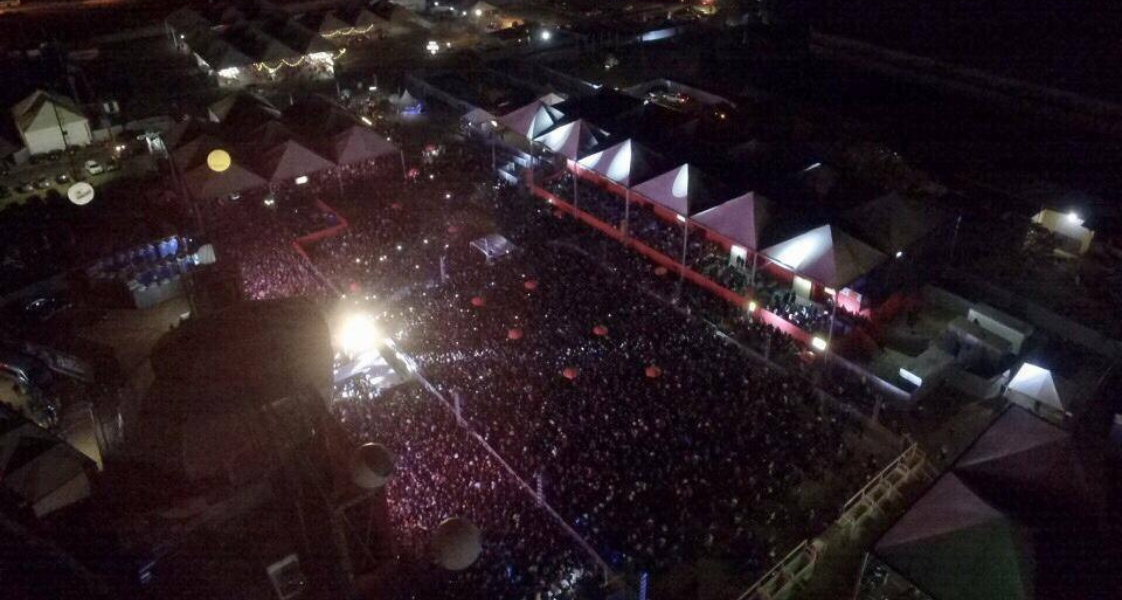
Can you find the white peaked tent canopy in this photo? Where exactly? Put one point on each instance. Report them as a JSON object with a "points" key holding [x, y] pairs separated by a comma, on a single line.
{"points": [[551, 98], [359, 144], [741, 219], [480, 119], [290, 160], [1037, 384], [531, 120], [206, 184], [403, 99], [894, 222], [626, 163], [827, 255], [681, 190], [571, 140], [483, 7]]}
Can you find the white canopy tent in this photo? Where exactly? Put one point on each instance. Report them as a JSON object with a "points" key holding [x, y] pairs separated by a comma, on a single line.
{"points": [[206, 184], [358, 144], [551, 99], [741, 219], [571, 140], [1033, 386], [827, 255], [480, 119], [626, 163], [290, 160], [531, 120], [403, 99], [681, 190]]}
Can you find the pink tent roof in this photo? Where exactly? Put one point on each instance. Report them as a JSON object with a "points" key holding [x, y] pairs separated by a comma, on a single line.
{"points": [[1021, 456], [740, 219], [571, 140], [954, 544], [680, 189], [531, 120], [827, 255], [626, 163], [947, 507]]}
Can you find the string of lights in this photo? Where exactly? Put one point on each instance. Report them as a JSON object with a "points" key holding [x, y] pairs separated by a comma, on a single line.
{"points": [[349, 31], [264, 66]]}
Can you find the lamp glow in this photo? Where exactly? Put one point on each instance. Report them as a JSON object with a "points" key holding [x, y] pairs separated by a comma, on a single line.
{"points": [[218, 160], [818, 344]]}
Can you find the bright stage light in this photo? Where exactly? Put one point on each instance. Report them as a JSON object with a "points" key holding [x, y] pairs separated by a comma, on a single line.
{"points": [[818, 344], [359, 333], [1073, 218], [545, 35]]}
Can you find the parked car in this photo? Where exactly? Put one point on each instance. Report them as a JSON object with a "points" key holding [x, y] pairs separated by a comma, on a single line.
{"points": [[93, 167], [25, 187], [43, 183]]}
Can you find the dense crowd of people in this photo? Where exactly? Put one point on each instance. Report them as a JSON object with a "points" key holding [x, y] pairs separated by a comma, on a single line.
{"points": [[253, 236], [617, 404], [442, 473], [656, 438]]}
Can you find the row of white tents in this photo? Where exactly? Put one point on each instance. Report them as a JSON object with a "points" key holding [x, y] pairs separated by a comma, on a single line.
{"points": [[826, 254]]}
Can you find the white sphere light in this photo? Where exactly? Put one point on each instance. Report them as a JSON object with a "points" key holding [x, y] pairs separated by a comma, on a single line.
{"points": [[80, 193], [218, 160], [456, 544]]}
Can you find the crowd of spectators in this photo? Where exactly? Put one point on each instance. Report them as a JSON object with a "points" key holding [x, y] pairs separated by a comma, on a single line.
{"points": [[252, 235], [442, 473], [655, 437], [613, 402]]}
